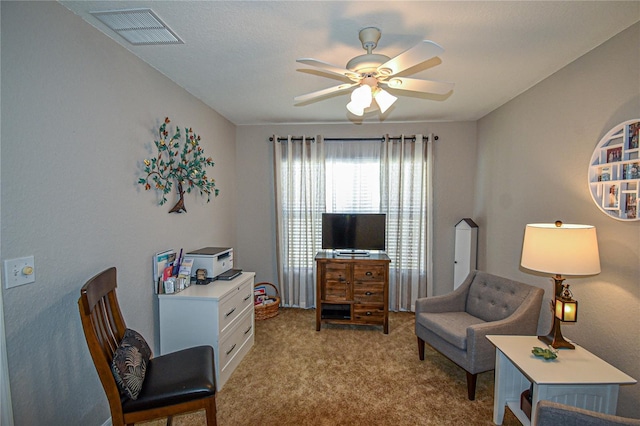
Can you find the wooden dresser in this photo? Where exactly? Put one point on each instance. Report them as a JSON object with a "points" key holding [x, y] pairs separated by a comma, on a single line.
{"points": [[352, 289]]}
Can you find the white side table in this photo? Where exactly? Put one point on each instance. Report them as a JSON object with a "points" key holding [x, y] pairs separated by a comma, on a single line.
{"points": [[576, 377]]}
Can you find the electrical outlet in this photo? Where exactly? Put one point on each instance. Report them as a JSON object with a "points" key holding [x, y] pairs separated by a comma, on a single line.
{"points": [[19, 271]]}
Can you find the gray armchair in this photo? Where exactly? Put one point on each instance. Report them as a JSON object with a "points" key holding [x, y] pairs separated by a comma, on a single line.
{"points": [[456, 324], [553, 414]]}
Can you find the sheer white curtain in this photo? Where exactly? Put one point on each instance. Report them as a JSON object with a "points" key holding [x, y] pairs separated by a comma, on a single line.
{"points": [[407, 201], [391, 176], [299, 181]]}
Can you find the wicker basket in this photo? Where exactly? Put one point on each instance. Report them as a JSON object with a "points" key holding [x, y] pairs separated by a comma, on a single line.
{"points": [[263, 312]]}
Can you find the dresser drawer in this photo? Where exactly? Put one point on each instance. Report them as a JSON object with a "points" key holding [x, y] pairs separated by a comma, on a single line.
{"points": [[238, 335], [335, 272], [233, 304], [373, 313], [368, 293], [336, 287], [334, 291], [369, 273]]}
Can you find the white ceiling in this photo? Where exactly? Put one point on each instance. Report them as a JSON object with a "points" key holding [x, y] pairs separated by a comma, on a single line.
{"points": [[239, 57]]}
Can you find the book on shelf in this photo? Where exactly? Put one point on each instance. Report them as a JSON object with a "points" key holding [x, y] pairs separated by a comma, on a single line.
{"points": [[160, 261], [166, 266], [185, 268]]}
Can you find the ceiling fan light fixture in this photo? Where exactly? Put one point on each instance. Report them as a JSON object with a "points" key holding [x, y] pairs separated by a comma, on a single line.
{"points": [[384, 100], [362, 96], [355, 109], [371, 70]]}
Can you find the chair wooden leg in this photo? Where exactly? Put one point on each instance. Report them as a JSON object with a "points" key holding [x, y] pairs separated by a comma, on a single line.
{"points": [[421, 349], [471, 385], [210, 412]]}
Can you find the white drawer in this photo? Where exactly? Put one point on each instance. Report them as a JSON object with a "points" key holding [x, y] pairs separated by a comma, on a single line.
{"points": [[233, 343], [233, 304]]}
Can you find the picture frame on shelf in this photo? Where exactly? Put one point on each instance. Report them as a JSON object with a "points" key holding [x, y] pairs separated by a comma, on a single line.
{"points": [[634, 135], [612, 199], [631, 171], [614, 154], [604, 174], [631, 206]]}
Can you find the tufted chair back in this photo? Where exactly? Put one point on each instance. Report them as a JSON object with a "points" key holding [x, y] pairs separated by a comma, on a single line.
{"points": [[493, 298]]}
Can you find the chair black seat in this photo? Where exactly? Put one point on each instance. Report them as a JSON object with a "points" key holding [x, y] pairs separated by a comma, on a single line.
{"points": [[174, 378]]}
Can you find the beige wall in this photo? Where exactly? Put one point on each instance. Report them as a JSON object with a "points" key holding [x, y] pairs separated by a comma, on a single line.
{"points": [[79, 114], [454, 172], [533, 158]]}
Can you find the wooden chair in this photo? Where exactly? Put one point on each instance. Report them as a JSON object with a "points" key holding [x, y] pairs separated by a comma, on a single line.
{"points": [[174, 383]]}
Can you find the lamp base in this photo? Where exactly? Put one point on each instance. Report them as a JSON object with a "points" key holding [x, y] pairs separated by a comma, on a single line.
{"points": [[556, 344], [555, 338]]}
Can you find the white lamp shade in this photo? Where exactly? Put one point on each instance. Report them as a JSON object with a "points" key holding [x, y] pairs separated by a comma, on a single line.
{"points": [[355, 108], [384, 100], [563, 250], [362, 95], [360, 99]]}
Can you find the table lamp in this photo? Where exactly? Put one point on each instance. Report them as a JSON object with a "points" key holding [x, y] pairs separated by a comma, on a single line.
{"points": [[561, 249]]}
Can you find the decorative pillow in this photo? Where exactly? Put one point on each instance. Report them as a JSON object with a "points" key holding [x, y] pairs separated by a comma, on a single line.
{"points": [[129, 363]]}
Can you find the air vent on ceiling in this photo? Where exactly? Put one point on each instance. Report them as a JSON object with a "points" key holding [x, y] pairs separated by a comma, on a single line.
{"points": [[138, 26]]}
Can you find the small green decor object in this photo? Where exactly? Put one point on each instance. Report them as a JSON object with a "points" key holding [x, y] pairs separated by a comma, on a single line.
{"points": [[185, 166], [544, 353]]}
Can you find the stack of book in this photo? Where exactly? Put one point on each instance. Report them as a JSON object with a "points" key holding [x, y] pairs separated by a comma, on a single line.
{"points": [[171, 273]]}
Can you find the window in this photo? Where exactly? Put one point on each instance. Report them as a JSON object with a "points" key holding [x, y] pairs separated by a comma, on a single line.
{"points": [[357, 177]]}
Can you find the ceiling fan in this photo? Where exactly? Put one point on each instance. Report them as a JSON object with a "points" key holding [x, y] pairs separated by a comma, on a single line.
{"points": [[372, 70]]}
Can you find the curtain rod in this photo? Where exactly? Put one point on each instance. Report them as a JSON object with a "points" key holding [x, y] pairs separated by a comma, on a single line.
{"points": [[381, 139]]}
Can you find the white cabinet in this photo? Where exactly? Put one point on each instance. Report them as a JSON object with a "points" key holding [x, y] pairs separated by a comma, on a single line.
{"points": [[219, 314], [465, 258]]}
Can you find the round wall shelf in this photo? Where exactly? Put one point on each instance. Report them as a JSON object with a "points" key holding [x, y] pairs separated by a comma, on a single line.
{"points": [[614, 171]]}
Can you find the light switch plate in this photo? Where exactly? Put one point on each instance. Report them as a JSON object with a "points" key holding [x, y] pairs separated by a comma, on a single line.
{"points": [[19, 271]]}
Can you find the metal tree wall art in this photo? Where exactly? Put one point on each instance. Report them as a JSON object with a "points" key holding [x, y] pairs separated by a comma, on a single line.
{"points": [[185, 166]]}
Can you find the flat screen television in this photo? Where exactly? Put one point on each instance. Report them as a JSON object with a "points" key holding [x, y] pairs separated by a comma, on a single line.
{"points": [[353, 232]]}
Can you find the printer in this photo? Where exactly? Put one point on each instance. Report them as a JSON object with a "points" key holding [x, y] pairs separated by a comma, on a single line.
{"points": [[215, 260]]}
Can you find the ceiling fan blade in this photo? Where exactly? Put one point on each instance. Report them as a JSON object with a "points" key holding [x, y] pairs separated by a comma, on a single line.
{"points": [[323, 92], [328, 67], [416, 85], [419, 53]]}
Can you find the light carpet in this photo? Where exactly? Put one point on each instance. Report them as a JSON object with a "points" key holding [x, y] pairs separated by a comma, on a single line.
{"points": [[346, 375]]}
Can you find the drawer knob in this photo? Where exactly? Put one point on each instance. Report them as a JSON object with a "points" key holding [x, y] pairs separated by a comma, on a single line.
{"points": [[368, 273], [369, 313], [248, 330], [232, 348], [247, 298], [230, 312], [368, 293]]}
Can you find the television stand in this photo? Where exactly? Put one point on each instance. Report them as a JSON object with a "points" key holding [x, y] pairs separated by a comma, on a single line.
{"points": [[359, 253], [352, 290]]}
